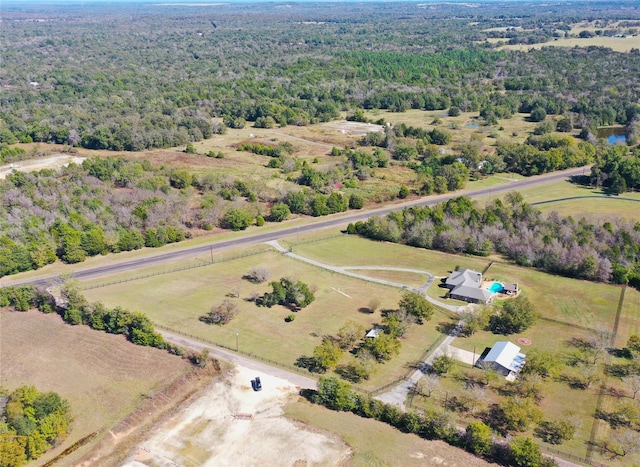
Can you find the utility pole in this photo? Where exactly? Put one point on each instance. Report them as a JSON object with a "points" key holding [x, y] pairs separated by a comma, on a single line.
{"points": [[236, 341]]}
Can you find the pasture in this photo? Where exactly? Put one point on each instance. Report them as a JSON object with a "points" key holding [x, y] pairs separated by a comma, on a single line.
{"points": [[177, 300], [104, 377]]}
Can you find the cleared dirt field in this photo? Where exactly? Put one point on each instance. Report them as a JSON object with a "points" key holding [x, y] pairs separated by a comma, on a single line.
{"points": [[232, 425], [53, 162], [103, 376]]}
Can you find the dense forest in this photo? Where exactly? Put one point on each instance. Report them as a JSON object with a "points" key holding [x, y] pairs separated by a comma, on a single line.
{"points": [[561, 245], [151, 76]]}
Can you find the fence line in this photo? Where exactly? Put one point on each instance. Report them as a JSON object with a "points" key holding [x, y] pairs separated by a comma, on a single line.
{"points": [[568, 456], [183, 268], [319, 239]]}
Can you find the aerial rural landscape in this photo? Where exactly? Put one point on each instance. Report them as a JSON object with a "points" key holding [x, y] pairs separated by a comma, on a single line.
{"points": [[320, 233]]}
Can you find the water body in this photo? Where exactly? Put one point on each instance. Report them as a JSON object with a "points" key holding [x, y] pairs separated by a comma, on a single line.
{"points": [[613, 134], [472, 125]]}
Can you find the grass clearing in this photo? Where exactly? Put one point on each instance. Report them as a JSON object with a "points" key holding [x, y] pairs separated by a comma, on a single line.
{"points": [[177, 300], [378, 444], [103, 376], [568, 198], [617, 44]]}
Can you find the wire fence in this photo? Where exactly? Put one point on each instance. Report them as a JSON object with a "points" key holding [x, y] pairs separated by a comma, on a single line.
{"points": [[571, 457], [202, 264], [251, 355]]}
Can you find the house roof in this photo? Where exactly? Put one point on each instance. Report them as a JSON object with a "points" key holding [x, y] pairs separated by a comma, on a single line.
{"points": [[472, 292], [466, 277], [507, 355], [510, 287]]}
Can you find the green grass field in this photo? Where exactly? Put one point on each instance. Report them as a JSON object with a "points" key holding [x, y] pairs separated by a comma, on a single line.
{"points": [[592, 203], [177, 300]]}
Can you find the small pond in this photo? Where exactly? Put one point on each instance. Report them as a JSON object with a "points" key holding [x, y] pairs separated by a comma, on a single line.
{"points": [[613, 134]]}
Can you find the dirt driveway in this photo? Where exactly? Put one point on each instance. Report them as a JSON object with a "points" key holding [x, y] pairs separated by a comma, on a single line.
{"points": [[231, 425], [53, 162]]}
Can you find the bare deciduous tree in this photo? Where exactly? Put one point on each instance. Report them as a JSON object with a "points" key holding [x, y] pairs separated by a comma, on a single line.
{"points": [[427, 385], [258, 275], [632, 383], [221, 314]]}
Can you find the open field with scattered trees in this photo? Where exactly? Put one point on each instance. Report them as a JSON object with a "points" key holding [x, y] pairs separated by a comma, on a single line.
{"points": [[193, 120], [178, 300]]}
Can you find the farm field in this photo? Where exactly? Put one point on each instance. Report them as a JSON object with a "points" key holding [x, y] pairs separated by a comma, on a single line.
{"points": [[177, 300], [104, 377], [617, 44]]}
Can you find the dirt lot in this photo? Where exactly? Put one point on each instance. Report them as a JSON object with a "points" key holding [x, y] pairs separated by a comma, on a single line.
{"points": [[230, 424], [53, 162], [103, 376]]}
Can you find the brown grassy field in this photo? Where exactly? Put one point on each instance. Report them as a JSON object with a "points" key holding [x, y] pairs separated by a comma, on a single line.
{"points": [[103, 376], [617, 44], [378, 444]]}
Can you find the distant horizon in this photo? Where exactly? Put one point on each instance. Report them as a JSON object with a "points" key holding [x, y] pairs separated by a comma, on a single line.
{"points": [[223, 2]]}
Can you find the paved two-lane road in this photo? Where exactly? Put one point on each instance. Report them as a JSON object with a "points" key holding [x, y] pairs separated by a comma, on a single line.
{"points": [[334, 221]]}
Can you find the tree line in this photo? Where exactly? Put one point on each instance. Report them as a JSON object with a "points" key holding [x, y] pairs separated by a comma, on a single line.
{"points": [[76, 310], [430, 424]]}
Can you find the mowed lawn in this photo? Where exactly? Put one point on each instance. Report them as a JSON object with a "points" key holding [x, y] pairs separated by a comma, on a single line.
{"points": [[570, 199], [103, 376], [177, 301]]}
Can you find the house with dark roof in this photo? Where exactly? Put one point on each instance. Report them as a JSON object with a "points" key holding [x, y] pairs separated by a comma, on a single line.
{"points": [[506, 358], [465, 285]]}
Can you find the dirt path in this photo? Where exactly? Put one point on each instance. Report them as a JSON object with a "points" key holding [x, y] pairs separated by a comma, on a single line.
{"points": [[231, 425], [53, 162], [246, 362]]}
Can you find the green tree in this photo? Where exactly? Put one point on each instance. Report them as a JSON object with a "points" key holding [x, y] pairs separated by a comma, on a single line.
{"points": [[416, 304], [335, 394], [356, 201], [524, 452], [279, 212], [479, 439], [442, 364], [180, 178], [288, 292], [383, 347], [237, 219], [544, 363], [538, 114], [327, 355], [519, 413], [517, 315]]}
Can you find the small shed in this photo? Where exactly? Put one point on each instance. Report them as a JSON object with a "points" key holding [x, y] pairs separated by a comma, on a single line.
{"points": [[375, 332]]}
